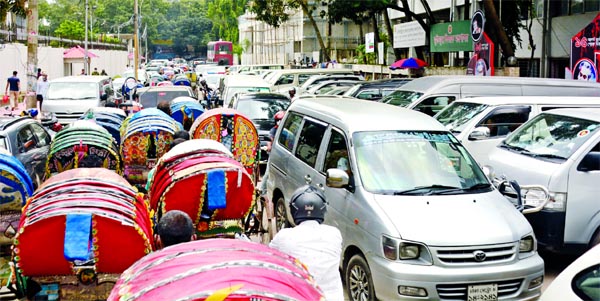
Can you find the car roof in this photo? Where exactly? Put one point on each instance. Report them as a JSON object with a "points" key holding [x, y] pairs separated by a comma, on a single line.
{"points": [[390, 82], [7, 121], [433, 82], [80, 78], [244, 80], [163, 88], [361, 115], [514, 100], [262, 95], [583, 113]]}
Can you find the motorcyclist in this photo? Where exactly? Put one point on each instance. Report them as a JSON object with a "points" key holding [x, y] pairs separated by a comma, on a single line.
{"points": [[206, 90], [316, 245]]}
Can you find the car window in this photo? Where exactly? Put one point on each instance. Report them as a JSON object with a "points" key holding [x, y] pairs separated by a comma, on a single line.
{"points": [[585, 283], [150, 99], [504, 121], [285, 79], [25, 140], [43, 139], [303, 78], [431, 106], [369, 94], [3, 143], [337, 153], [289, 132], [309, 141]]}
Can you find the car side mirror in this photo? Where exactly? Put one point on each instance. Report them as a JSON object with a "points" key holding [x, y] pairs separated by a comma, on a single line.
{"points": [[337, 178], [512, 189], [590, 162], [479, 133]]}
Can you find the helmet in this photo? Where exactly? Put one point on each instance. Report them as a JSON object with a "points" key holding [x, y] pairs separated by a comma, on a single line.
{"points": [[279, 115], [308, 203]]}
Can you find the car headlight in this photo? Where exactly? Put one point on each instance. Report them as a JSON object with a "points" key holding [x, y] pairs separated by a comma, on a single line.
{"points": [[47, 115], [409, 251], [558, 202], [526, 244]]}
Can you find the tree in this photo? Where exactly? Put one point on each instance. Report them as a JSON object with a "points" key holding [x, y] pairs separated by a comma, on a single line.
{"points": [[71, 30], [11, 6], [275, 12]]}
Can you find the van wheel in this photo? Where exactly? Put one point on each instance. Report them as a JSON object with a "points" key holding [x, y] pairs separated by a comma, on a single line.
{"points": [[359, 283], [280, 214]]}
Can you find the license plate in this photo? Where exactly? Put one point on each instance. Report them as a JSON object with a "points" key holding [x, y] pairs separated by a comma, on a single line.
{"points": [[483, 292]]}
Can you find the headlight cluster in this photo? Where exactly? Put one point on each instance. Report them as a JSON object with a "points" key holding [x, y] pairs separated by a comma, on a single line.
{"points": [[527, 244], [394, 249]]}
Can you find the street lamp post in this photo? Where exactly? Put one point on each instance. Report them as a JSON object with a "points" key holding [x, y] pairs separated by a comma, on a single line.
{"points": [[85, 54]]}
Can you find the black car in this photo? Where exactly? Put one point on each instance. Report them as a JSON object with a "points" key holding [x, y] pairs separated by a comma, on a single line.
{"points": [[375, 90], [261, 109], [29, 142]]}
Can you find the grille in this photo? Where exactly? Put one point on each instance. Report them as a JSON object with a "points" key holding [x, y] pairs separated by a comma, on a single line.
{"points": [[466, 255], [459, 291]]}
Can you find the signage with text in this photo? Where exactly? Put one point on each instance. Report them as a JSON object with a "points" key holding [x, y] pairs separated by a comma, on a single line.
{"points": [[585, 52], [453, 36], [370, 42], [409, 34]]}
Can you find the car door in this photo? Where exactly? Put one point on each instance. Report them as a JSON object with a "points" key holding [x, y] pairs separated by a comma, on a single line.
{"points": [[500, 122], [281, 154], [303, 170], [582, 200], [26, 149], [40, 154], [336, 155]]}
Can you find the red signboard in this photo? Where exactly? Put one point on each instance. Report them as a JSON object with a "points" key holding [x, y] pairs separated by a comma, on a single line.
{"points": [[482, 61], [585, 52]]}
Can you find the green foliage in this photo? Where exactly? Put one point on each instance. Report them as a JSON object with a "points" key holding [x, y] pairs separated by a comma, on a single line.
{"points": [[71, 30], [363, 57], [224, 14], [357, 11], [511, 19], [273, 12]]}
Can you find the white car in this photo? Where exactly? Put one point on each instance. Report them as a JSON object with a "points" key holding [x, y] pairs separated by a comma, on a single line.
{"points": [[579, 281]]}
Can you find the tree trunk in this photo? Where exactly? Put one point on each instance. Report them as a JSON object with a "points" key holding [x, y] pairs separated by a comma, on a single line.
{"points": [[390, 32], [324, 50], [492, 17], [32, 47]]}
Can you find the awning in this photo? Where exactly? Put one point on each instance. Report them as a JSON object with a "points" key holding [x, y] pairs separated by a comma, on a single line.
{"points": [[77, 53]]}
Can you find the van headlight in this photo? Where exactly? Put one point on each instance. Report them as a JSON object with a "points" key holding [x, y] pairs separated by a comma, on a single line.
{"points": [[558, 202], [411, 252], [527, 244]]}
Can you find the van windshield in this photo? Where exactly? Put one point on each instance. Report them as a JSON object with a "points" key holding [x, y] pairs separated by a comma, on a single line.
{"points": [[401, 98], [458, 114], [407, 162], [551, 137], [72, 91]]}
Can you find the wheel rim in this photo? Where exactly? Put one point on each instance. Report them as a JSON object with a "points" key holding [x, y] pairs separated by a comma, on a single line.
{"points": [[280, 214], [358, 284]]}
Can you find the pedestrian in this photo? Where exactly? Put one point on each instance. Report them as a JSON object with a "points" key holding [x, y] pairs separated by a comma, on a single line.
{"points": [[13, 84], [292, 93], [95, 72], [174, 227], [39, 73], [41, 89], [316, 245], [82, 72], [103, 72]]}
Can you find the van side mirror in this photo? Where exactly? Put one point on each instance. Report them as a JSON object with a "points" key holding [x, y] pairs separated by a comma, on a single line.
{"points": [[480, 133], [590, 162], [336, 178], [512, 189]]}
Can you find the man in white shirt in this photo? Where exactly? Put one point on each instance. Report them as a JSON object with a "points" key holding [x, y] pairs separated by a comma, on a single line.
{"points": [[41, 89], [316, 245]]}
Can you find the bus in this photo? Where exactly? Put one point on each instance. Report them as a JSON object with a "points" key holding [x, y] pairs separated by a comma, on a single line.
{"points": [[220, 52]]}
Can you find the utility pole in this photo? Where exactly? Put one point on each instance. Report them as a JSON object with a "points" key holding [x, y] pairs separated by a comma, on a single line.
{"points": [[32, 48], [86, 66], [136, 42]]}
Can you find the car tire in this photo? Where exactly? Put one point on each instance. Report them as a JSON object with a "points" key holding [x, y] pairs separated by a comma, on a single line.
{"points": [[359, 282], [280, 214]]}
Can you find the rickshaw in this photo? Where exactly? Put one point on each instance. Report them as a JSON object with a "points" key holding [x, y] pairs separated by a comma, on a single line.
{"points": [[109, 118], [216, 269], [181, 80], [201, 178], [235, 131], [147, 135], [186, 111], [78, 232], [83, 144], [15, 187]]}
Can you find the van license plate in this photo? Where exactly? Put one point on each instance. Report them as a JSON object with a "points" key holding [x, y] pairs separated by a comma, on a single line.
{"points": [[484, 292]]}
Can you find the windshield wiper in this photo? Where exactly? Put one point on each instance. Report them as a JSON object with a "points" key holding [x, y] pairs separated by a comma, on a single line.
{"points": [[428, 188], [513, 147], [475, 187], [549, 156]]}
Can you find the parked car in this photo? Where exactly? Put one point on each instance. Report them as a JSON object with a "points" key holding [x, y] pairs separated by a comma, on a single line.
{"points": [[481, 123], [418, 217], [151, 96], [326, 86], [28, 141], [559, 149], [375, 90], [579, 281], [261, 109], [319, 78]]}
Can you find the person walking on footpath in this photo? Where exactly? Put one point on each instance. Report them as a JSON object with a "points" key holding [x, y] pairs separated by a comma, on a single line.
{"points": [[41, 89], [14, 85], [95, 72], [103, 72]]}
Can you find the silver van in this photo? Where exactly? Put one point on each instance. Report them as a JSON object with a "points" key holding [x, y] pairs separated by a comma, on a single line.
{"points": [[559, 149], [430, 94], [480, 123], [283, 80], [418, 217], [69, 97]]}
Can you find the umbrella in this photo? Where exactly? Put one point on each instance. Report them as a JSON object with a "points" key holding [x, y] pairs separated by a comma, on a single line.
{"points": [[409, 63]]}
